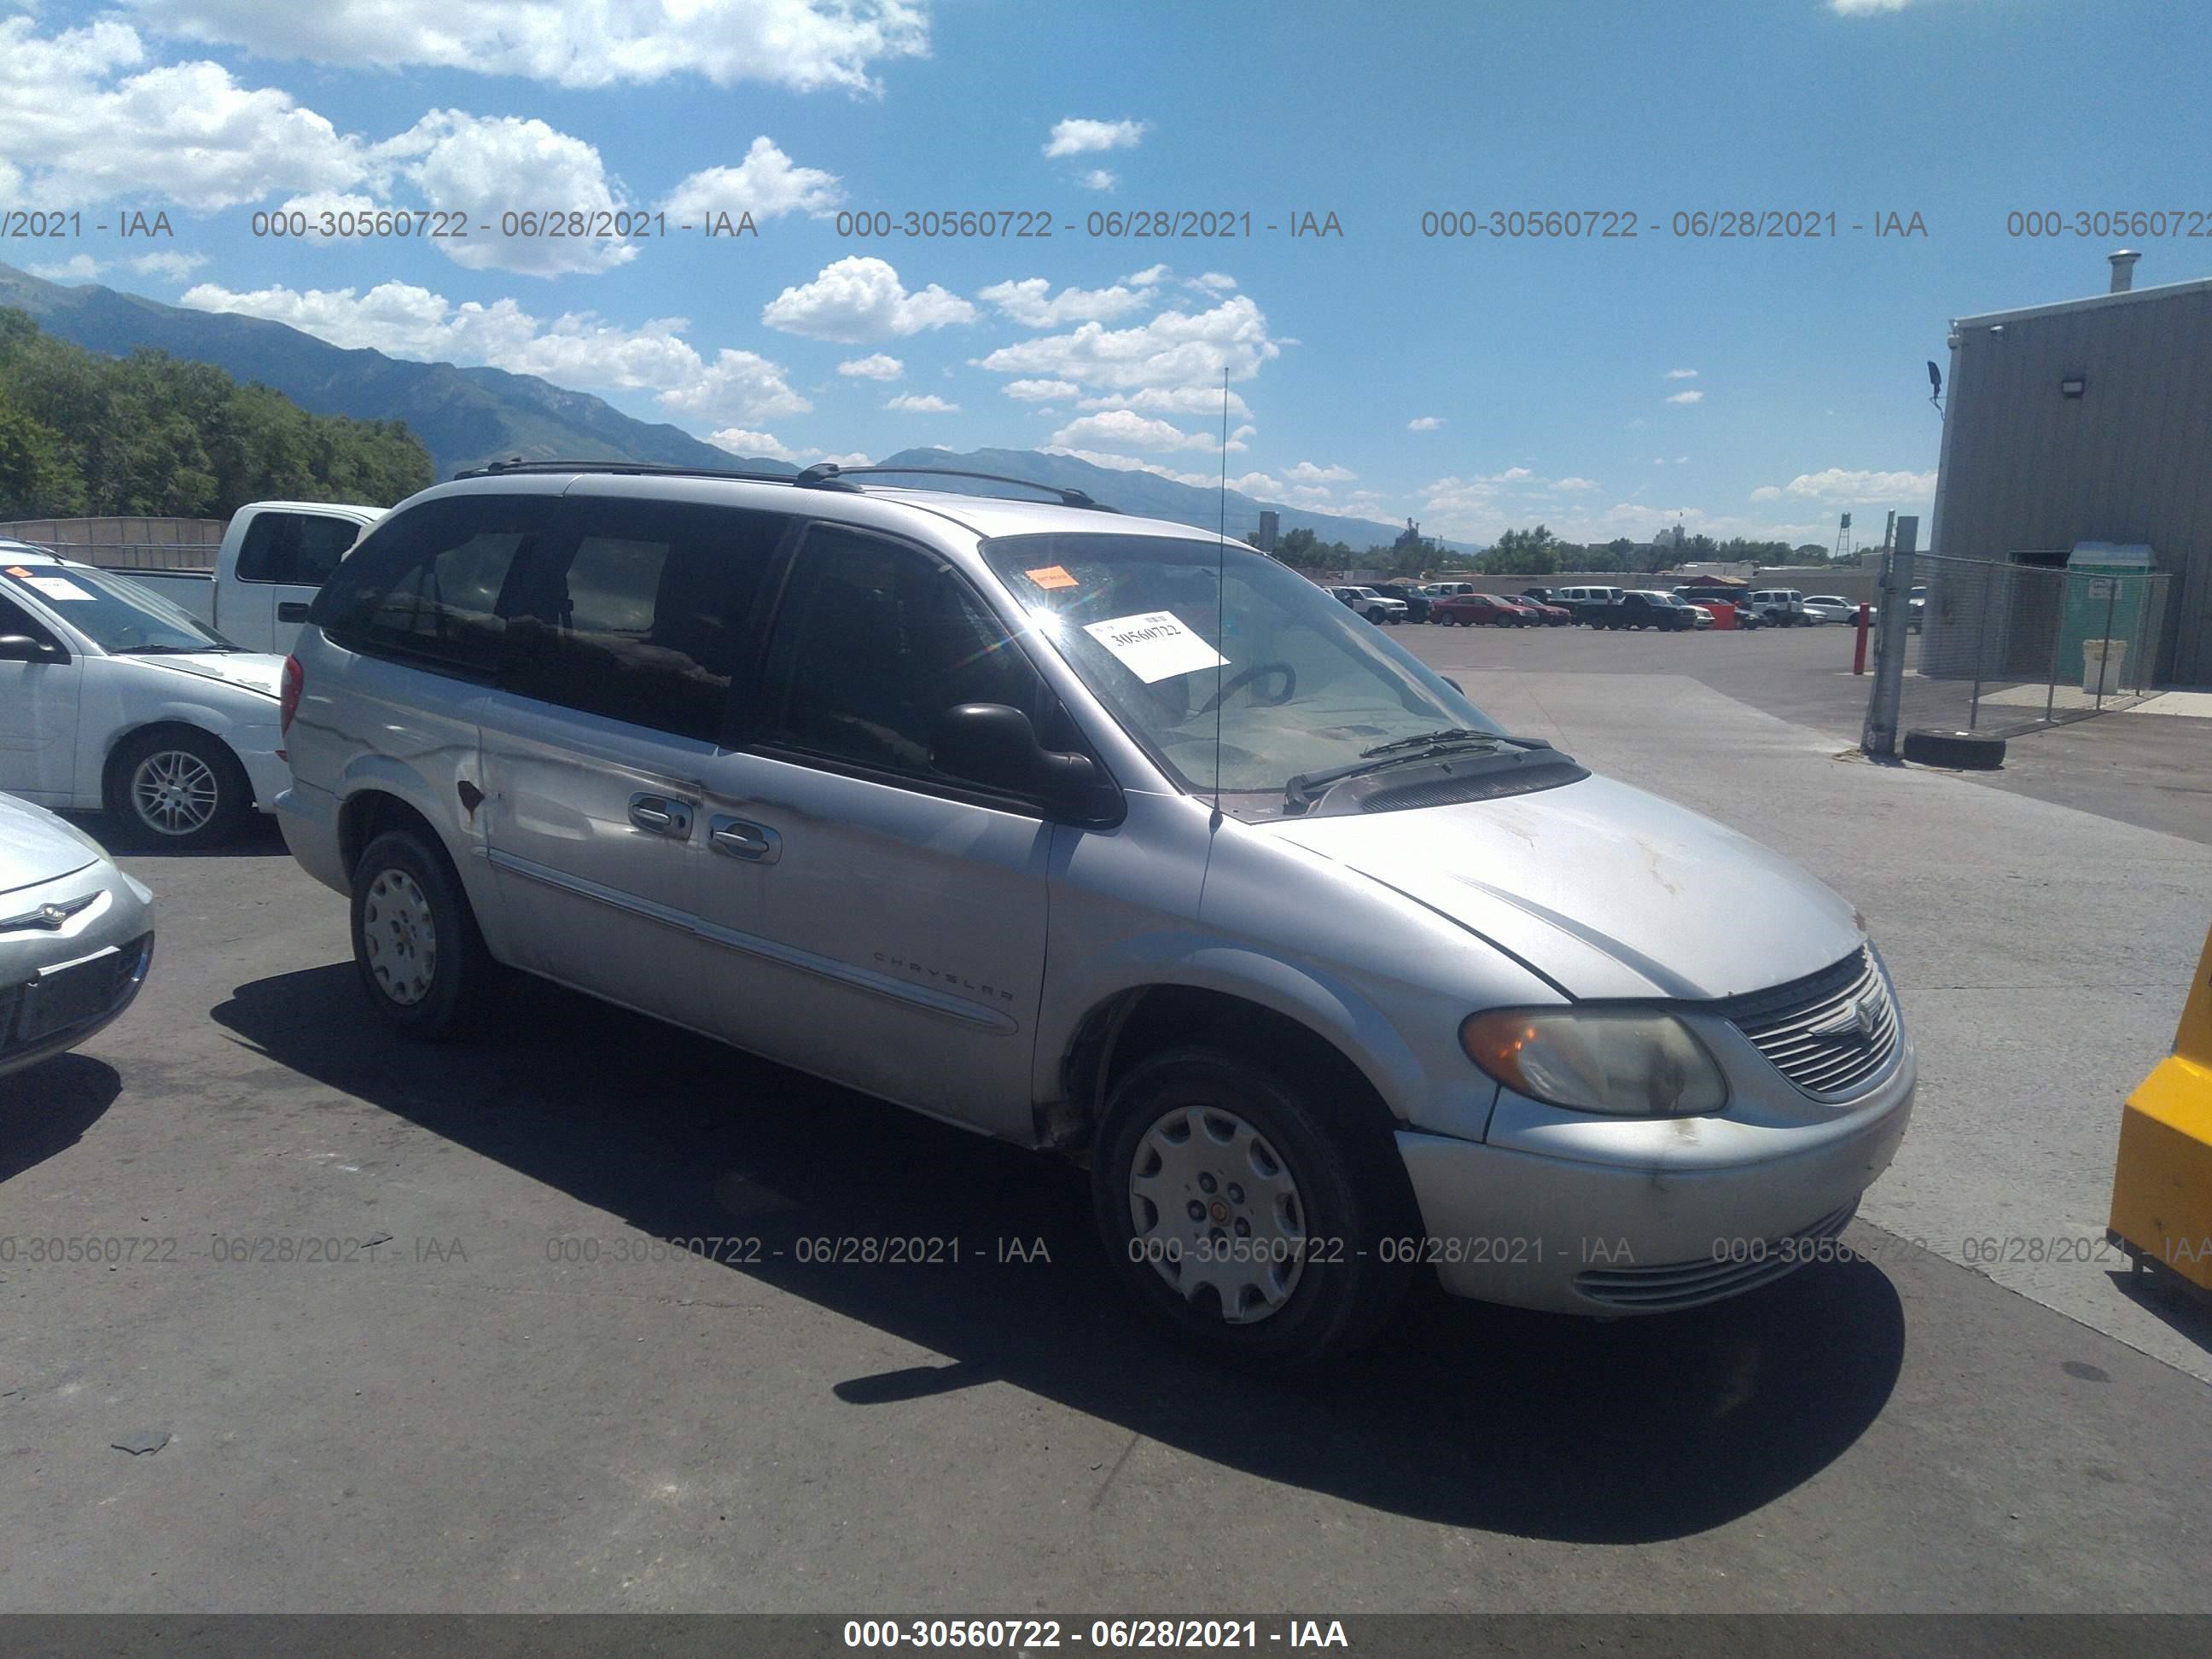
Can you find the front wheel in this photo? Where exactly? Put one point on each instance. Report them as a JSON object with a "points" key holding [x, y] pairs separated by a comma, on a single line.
{"points": [[415, 939], [1245, 1217], [178, 787]]}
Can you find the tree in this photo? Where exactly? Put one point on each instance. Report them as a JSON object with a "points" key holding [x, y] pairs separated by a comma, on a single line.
{"points": [[1523, 553], [155, 436]]}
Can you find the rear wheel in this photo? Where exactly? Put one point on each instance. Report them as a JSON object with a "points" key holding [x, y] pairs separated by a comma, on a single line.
{"points": [[415, 939], [1246, 1217], [177, 787]]}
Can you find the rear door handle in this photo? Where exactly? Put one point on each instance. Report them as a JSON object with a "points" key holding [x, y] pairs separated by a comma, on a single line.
{"points": [[738, 838], [292, 610], [658, 815]]}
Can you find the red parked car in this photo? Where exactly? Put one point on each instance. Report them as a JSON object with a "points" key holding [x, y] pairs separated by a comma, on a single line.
{"points": [[1466, 610]]}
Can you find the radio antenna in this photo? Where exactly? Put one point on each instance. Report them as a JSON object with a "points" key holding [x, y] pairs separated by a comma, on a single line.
{"points": [[1221, 600]]}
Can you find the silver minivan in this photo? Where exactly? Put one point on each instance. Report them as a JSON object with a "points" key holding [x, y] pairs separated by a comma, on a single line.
{"points": [[1102, 835]]}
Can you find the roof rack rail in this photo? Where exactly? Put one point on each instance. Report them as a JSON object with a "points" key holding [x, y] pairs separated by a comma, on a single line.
{"points": [[829, 472], [647, 468]]}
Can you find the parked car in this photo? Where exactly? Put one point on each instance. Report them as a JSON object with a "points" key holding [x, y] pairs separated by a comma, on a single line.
{"points": [[275, 557], [1586, 603], [1830, 608], [1416, 602], [1915, 607], [1705, 618], [1376, 607], [111, 697], [952, 800], [1646, 608], [1782, 607], [76, 936], [1551, 613], [1471, 609], [1448, 590]]}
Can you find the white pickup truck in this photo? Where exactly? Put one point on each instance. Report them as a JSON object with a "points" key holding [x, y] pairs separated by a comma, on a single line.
{"points": [[274, 558]]}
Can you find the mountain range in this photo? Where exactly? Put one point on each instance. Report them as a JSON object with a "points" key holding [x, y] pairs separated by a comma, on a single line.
{"points": [[466, 416]]}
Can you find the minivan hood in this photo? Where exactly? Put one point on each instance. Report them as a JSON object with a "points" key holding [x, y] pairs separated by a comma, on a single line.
{"points": [[36, 846], [1601, 888], [255, 671]]}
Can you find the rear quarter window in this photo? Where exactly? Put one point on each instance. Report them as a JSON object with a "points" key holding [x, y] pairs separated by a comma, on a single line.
{"points": [[428, 584]]}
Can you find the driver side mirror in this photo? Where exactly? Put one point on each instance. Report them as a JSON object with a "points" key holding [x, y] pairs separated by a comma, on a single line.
{"points": [[21, 648], [989, 744]]}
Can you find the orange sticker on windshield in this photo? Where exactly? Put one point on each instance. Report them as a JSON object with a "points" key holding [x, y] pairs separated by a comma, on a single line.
{"points": [[1052, 576], [17, 570]]}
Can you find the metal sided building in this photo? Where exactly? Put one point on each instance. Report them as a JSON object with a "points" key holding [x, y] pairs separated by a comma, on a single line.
{"points": [[2089, 420]]}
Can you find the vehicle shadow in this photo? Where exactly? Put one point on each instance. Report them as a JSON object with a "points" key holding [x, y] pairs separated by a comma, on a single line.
{"points": [[1519, 1423], [258, 838], [46, 1109]]}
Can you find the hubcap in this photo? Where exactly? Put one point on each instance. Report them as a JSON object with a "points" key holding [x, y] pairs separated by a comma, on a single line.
{"points": [[399, 939], [173, 792], [1217, 1213]]}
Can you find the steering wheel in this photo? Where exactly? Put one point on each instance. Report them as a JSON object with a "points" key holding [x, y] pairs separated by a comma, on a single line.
{"points": [[1283, 670]]}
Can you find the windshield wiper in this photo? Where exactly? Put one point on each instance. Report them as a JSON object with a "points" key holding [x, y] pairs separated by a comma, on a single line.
{"points": [[1308, 788], [1449, 734], [169, 650]]}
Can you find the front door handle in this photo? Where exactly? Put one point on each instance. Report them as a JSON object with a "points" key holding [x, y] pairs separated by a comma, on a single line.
{"points": [[659, 815], [738, 838], [292, 610]]}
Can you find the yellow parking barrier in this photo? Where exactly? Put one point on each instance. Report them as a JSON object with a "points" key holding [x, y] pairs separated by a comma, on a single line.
{"points": [[2162, 1184]]}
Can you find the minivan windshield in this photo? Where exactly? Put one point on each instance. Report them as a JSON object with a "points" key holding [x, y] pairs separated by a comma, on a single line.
{"points": [[1300, 683]]}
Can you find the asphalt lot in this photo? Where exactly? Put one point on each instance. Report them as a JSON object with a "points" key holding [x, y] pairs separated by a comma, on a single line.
{"points": [[468, 1415]]}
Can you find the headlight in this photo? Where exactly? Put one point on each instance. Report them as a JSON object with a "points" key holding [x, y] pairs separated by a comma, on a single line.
{"points": [[1628, 1063]]}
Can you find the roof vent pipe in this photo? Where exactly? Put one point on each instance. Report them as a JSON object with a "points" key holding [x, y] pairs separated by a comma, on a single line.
{"points": [[2123, 270]]}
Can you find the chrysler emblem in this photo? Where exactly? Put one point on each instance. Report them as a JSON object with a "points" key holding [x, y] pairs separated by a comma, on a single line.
{"points": [[1856, 1026]]}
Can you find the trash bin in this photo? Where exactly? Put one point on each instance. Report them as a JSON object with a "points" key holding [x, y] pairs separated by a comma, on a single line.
{"points": [[2101, 666]]}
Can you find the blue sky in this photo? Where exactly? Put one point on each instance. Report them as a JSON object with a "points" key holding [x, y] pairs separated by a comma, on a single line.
{"points": [[1605, 386]]}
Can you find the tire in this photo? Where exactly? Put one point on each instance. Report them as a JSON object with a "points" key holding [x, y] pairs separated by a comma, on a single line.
{"points": [[177, 788], [416, 943], [1345, 1185], [1963, 752]]}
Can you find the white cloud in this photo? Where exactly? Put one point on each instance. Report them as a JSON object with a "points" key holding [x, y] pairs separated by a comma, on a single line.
{"points": [[77, 128], [1078, 137], [1031, 302], [1125, 428], [483, 165], [574, 349], [1131, 463], [1688, 398], [77, 268], [851, 457], [1100, 178], [1037, 392], [1172, 400], [878, 366], [800, 44], [1680, 374], [1837, 483], [1865, 8], [739, 441], [1424, 423], [926, 403], [1577, 483], [1216, 281], [1307, 473], [858, 301], [1174, 349], [766, 185], [1149, 277]]}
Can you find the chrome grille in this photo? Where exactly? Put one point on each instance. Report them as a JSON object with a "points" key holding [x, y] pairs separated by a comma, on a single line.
{"points": [[1831, 1034], [1687, 1283]]}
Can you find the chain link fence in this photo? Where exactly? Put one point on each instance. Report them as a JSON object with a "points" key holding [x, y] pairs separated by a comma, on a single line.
{"points": [[2004, 647]]}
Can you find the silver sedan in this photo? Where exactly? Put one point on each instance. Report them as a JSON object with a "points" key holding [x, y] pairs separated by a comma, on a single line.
{"points": [[76, 936]]}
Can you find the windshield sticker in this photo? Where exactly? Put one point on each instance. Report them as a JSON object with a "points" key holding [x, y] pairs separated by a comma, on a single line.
{"points": [[1052, 576], [1155, 646], [54, 587]]}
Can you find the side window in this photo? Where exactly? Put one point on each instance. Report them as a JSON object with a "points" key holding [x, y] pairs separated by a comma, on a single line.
{"points": [[873, 641], [636, 610], [427, 583], [13, 619], [299, 548]]}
